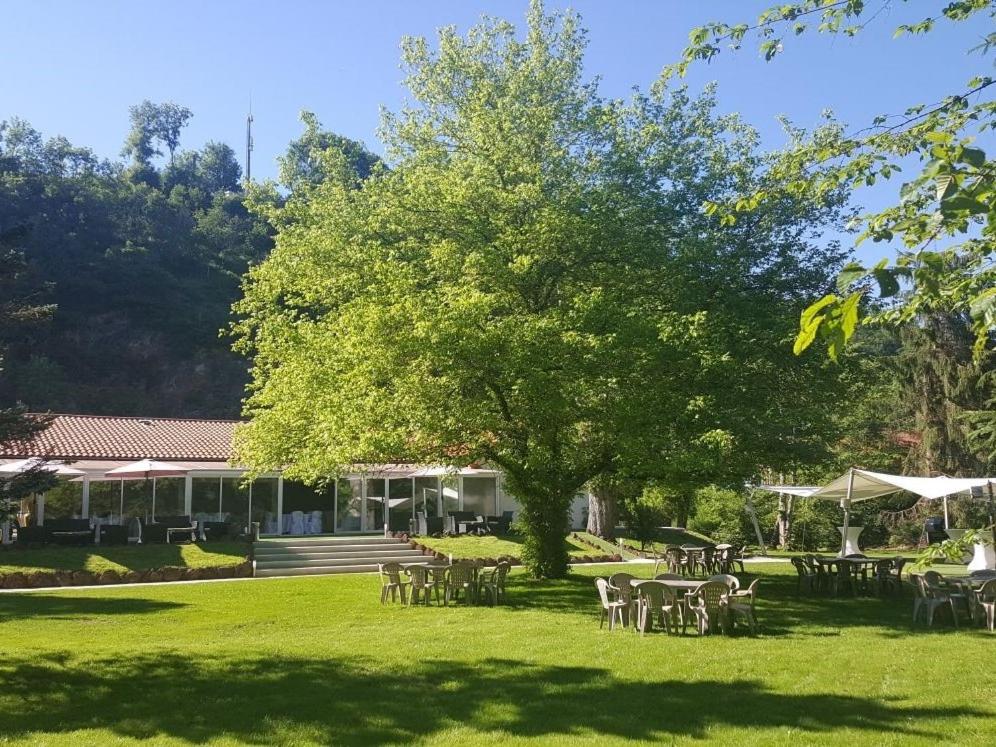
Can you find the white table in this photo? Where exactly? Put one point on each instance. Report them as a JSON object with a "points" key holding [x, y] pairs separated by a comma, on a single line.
{"points": [[984, 558], [851, 540]]}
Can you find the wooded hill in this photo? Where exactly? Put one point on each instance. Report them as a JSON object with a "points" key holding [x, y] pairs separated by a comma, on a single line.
{"points": [[138, 263]]}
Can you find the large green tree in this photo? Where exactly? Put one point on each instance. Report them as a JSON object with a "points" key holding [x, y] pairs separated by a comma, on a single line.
{"points": [[533, 284]]}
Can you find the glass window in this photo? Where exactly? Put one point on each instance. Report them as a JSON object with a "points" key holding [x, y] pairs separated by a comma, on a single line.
{"points": [[105, 501], [169, 496], [264, 505], [451, 493], [205, 497], [348, 505], [137, 500], [307, 510], [479, 495], [64, 501], [235, 504], [427, 495]]}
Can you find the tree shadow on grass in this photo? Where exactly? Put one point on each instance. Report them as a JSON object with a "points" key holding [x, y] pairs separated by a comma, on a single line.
{"points": [[34, 606], [358, 701]]}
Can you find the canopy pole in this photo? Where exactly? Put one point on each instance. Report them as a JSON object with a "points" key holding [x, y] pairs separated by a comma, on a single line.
{"points": [[992, 512], [946, 527], [753, 520], [846, 505], [153, 499]]}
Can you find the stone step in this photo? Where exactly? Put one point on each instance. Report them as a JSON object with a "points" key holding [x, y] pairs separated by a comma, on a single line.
{"points": [[323, 570], [354, 539], [300, 551], [405, 556]]}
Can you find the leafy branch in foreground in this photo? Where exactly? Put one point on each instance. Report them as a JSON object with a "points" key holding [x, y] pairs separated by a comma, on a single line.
{"points": [[942, 221]]}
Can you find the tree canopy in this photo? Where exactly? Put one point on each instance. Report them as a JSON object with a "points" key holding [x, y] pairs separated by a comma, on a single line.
{"points": [[533, 284]]}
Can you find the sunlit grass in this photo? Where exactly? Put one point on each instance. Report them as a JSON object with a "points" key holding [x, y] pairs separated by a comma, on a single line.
{"points": [[320, 661], [121, 558]]}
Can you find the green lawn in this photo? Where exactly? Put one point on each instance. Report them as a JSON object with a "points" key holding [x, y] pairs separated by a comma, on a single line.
{"points": [[121, 558], [320, 661], [490, 546]]}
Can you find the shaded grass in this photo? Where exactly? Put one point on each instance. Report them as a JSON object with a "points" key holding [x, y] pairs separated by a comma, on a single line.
{"points": [[668, 536], [490, 546], [303, 661], [121, 558]]}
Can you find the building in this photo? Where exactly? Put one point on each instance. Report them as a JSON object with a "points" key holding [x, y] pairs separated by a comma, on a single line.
{"points": [[377, 499]]}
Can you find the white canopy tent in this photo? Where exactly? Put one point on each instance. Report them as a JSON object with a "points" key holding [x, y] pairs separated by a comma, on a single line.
{"points": [[862, 485]]}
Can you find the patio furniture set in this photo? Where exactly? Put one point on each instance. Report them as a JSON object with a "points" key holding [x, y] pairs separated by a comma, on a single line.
{"points": [[461, 522], [855, 573], [691, 560], [83, 532], [468, 581], [673, 600], [972, 597]]}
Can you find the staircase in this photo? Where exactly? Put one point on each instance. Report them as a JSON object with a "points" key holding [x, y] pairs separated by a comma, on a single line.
{"points": [[311, 556]]}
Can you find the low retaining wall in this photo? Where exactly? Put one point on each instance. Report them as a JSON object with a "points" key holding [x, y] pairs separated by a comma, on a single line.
{"points": [[42, 579]]}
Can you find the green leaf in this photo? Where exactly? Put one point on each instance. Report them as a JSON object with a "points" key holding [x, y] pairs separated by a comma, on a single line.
{"points": [[888, 285], [807, 334], [852, 272], [973, 156], [813, 309]]}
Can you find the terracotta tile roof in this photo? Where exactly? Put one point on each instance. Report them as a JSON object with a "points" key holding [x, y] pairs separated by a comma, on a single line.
{"points": [[109, 437]]}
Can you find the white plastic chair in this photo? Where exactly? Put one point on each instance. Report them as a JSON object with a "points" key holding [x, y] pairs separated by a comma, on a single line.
{"points": [[270, 523], [986, 599], [730, 580], [297, 522], [741, 603], [611, 609], [929, 598]]}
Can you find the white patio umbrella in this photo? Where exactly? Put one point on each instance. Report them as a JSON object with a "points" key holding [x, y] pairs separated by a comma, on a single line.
{"points": [[146, 469], [23, 465]]}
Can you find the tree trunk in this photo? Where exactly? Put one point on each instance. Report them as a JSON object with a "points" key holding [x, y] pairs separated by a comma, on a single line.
{"points": [[544, 525], [681, 519], [784, 521], [602, 513]]}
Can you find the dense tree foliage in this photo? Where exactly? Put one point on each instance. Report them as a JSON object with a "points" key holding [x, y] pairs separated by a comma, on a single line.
{"points": [[18, 307], [140, 264], [534, 284], [943, 219]]}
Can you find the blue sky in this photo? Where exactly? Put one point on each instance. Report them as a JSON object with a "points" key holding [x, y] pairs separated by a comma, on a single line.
{"points": [[74, 68]]}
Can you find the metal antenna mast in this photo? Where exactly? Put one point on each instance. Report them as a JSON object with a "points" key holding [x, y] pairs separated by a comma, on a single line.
{"points": [[249, 144]]}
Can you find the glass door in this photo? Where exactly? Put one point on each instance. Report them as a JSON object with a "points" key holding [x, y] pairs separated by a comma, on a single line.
{"points": [[400, 504], [349, 506], [374, 505]]}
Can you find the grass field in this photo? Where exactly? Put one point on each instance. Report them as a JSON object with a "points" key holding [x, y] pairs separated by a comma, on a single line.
{"points": [[320, 661], [121, 558]]}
